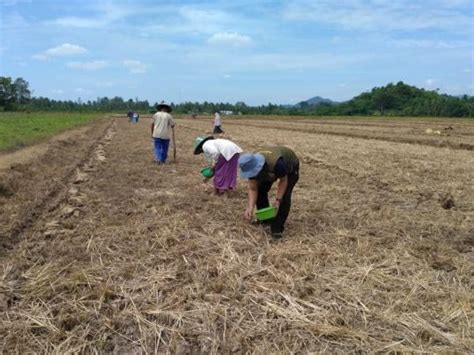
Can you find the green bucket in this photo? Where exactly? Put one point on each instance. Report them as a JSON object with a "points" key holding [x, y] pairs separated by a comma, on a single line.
{"points": [[207, 172], [266, 213]]}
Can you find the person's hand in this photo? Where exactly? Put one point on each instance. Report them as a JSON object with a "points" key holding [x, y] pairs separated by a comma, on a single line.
{"points": [[248, 214]]}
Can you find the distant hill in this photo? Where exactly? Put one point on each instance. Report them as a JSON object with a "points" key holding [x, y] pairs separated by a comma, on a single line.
{"points": [[392, 99], [314, 101]]}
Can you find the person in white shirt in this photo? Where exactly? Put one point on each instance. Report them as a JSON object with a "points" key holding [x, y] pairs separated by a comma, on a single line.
{"points": [[136, 116], [162, 125], [223, 156], [217, 123]]}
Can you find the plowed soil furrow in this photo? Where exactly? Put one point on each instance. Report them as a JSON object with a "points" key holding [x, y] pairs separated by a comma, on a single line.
{"points": [[402, 123], [441, 143], [133, 257], [30, 211]]}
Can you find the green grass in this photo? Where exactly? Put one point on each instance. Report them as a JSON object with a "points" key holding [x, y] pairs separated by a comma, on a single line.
{"points": [[18, 129]]}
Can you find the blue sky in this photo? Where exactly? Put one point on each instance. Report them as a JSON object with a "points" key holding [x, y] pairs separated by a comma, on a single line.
{"points": [[228, 51]]}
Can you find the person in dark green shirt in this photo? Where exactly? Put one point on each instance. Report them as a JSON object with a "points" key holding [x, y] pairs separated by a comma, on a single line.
{"points": [[262, 169]]}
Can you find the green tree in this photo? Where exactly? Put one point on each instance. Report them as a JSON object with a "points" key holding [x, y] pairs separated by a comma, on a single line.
{"points": [[7, 95], [21, 91]]}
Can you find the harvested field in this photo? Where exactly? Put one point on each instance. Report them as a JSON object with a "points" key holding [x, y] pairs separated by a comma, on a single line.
{"points": [[103, 251]]}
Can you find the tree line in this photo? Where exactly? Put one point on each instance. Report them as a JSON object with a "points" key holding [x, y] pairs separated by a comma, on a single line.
{"points": [[391, 100]]}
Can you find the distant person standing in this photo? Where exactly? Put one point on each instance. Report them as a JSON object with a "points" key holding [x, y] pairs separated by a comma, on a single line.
{"points": [[217, 123], [162, 125], [130, 116], [136, 116]]}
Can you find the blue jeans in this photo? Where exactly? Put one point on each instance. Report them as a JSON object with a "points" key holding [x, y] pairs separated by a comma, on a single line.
{"points": [[161, 149]]}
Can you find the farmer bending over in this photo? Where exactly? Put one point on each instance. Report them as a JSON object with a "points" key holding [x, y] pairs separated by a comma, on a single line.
{"points": [[223, 156], [262, 169], [162, 123]]}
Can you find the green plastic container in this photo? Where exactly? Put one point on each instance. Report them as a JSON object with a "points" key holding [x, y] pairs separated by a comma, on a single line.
{"points": [[207, 172], [266, 213]]}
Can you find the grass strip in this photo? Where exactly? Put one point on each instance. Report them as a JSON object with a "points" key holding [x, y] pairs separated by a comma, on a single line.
{"points": [[19, 129]]}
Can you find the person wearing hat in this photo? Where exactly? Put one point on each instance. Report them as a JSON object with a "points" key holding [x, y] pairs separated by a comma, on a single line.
{"points": [[262, 169], [223, 155], [162, 124]]}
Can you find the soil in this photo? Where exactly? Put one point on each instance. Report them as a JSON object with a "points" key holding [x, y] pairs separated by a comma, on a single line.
{"points": [[27, 154], [101, 250]]}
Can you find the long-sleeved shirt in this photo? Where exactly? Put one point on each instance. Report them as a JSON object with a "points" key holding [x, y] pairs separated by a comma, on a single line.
{"points": [[217, 119]]}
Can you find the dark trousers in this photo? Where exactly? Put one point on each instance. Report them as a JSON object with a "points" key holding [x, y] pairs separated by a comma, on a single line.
{"points": [[217, 130], [278, 223]]}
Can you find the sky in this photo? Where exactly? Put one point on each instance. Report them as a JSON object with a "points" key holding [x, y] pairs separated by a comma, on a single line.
{"points": [[257, 52]]}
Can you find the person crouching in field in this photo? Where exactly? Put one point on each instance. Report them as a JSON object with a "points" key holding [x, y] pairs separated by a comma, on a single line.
{"points": [[162, 124], [262, 169], [217, 123], [223, 155]]}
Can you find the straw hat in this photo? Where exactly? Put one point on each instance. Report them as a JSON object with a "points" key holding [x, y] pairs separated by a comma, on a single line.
{"points": [[163, 104]]}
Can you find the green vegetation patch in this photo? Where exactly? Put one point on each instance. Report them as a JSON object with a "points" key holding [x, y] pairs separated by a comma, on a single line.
{"points": [[18, 129]]}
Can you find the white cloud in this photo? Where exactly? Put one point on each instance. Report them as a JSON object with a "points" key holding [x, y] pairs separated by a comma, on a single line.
{"points": [[229, 63], [104, 84], [204, 16], [13, 28], [13, 22], [13, 2], [82, 91], [458, 89], [57, 91], [229, 39], [421, 43], [135, 66], [431, 82], [106, 14], [63, 50], [90, 66], [40, 57], [190, 20], [382, 15], [79, 22], [454, 3]]}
